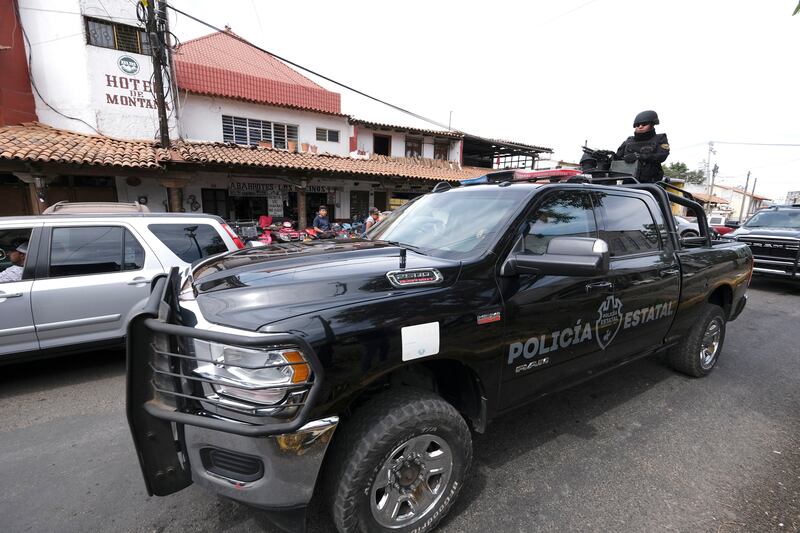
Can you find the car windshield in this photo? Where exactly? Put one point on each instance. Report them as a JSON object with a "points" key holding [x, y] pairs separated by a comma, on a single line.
{"points": [[775, 219], [454, 224]]}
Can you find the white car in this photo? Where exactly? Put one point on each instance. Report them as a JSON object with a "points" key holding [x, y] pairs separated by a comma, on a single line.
{"points": [[83, 272], [686, 228]]}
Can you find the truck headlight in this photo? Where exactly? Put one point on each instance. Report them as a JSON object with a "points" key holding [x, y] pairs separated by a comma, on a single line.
{"points": [[251, 374]]}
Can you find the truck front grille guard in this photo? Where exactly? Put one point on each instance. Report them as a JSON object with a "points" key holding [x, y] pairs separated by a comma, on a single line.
{"points": [[161, 379]]}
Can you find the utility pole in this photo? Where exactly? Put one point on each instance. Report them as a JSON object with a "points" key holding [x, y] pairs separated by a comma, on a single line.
{"points": [[744, 197], [158, 55], [173, 84], [708, 168], [752, 193]]}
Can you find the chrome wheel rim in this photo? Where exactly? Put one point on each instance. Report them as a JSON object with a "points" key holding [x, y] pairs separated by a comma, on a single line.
{"points": [[411, 481], [709, 346]]}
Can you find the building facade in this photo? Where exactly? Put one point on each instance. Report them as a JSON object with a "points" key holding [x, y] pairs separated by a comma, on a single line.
{"points": [[249, 135]]}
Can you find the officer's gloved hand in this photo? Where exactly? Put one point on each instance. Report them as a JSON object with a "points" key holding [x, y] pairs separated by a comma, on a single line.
{"points": [[632, 157]]}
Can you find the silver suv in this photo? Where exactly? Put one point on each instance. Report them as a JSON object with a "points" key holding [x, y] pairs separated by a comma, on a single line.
{"points": [[82, 273]]}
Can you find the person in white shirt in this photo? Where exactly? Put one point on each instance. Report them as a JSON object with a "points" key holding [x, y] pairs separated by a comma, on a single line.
{"points": [[17, 257]]}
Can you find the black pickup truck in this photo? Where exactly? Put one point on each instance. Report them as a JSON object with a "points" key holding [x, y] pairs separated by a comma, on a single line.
{"points": [[360, 368], [773, 235]]}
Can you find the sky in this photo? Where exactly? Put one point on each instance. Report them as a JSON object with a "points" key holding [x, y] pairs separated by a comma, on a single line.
{"points": [[556, 73]]}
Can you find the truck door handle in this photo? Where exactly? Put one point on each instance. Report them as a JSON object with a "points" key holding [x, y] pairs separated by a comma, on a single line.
{"points": [[599, 286], [3, 295], [139, 281], [668, 272]]}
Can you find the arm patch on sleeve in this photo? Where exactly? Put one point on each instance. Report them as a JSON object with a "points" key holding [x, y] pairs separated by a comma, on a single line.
{"points": [[665, 146]]}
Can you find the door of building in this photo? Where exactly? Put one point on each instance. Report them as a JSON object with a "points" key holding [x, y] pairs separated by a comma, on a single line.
{"points": [[81, 189], [359, 204], [380, 200], [15, 196], [313, 201]]}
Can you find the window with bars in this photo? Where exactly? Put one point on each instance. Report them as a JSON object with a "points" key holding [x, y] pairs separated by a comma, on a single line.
{"points": [[413, 147], [242, 130], [327, 135], [123, 37]]}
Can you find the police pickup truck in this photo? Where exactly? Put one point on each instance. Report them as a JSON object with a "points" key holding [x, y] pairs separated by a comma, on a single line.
{"points": [[357, 370]]}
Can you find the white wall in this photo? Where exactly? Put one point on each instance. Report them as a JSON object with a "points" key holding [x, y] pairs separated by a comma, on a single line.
{"points": [[365, 138], [201, 120], [85, 81]]}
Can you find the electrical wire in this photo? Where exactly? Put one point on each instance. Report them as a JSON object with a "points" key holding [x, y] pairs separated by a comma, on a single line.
{"points": [[345, 86], [755, 144], [33, 82]]}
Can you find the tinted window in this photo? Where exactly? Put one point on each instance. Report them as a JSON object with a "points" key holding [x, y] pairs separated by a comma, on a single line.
{"points": [[630, 228], [189, 242], [563, 214], [93, 250]]}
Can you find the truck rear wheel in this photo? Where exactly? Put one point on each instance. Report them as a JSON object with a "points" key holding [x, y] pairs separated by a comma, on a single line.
{"points": [[697, 355], [399, 464]]}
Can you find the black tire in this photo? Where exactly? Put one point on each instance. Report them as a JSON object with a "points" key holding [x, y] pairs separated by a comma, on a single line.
{"points": [[688, 357], [689, 233], [369, 441]]}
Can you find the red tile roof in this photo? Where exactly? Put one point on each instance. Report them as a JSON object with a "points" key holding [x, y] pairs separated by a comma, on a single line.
{"points": [[228, 154], [705, 198], [42, 144], [38, 143], [220, 64]]}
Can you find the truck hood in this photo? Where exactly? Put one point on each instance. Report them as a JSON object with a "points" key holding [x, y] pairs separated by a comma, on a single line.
{"points": [[766, 232], [254, 287]]}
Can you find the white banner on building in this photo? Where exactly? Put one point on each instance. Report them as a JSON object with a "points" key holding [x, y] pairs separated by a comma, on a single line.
{"points": [[275, 205], [257, 187]]}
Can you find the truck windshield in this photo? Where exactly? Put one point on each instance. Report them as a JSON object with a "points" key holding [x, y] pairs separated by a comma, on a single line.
{"points": [[453, 225], [775, 219]]}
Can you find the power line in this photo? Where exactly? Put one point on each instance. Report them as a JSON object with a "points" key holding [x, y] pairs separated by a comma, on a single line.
{"points": [[310, 71], [755, 144], [33, 82], [340, 84]]}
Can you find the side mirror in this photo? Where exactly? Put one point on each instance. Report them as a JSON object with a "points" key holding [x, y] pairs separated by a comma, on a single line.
{"points": [[566, 256]]}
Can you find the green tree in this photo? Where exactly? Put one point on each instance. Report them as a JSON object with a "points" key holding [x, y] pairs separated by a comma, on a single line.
{"points": [[681, 171]]}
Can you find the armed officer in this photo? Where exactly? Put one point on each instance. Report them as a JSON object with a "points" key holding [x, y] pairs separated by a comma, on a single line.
{"points": [[646, 146]]}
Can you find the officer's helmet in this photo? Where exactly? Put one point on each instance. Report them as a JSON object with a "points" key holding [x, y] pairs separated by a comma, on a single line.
{"points": [[646, 116]]}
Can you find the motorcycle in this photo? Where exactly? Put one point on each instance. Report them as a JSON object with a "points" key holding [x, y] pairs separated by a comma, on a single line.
{"points": [[286, 232]]}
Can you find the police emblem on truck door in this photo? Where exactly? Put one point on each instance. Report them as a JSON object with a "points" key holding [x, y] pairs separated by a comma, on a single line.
{"points": [[609, 321]]}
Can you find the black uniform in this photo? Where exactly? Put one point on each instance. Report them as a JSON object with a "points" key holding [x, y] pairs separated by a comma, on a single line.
{"points": [[651, 149]]}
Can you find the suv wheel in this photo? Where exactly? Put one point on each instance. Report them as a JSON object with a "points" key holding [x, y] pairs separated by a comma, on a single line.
{"points": [[697, 355], [399, 464]]}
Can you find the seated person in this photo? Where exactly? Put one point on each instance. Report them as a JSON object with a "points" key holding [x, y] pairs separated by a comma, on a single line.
{"points": [[17, 257]]}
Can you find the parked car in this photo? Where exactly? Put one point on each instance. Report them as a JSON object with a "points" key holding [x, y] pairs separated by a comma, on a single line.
{"points": [[773, 235], [721, 224], [686, 228], [380, 355], [85, 268]]}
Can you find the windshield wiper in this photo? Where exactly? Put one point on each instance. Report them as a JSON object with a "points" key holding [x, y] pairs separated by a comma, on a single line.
{"points": [[411, 247]]}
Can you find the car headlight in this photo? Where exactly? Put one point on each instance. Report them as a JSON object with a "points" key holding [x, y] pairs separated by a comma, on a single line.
{"points": [[256, 375], [284, 237]]}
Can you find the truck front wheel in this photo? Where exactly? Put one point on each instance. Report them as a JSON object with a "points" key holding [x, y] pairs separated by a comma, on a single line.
{"points": [[399, 464], [698, 353]]}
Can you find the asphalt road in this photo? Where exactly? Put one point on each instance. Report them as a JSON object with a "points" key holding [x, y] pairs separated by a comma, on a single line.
{"points": [[641, 449]]}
